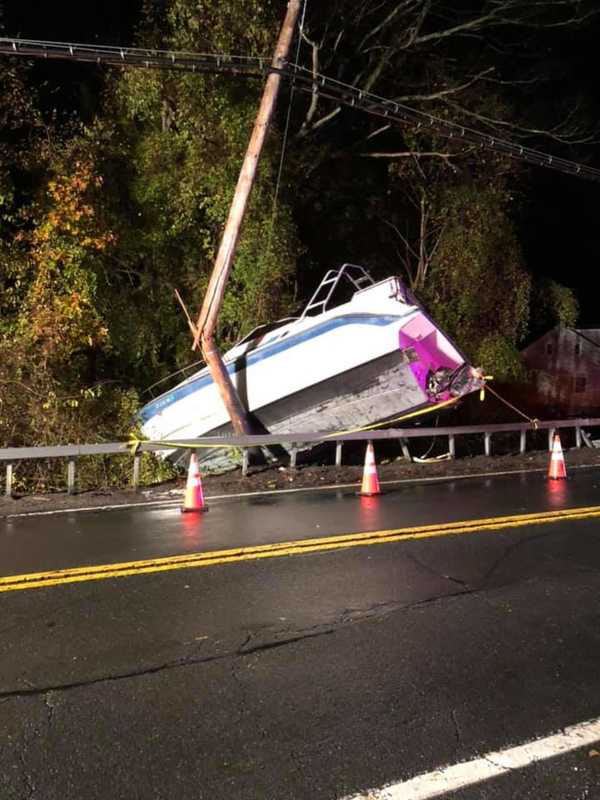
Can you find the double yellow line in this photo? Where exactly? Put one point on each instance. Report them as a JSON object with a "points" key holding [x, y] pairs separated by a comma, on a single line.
{"points": [[234, 555]]}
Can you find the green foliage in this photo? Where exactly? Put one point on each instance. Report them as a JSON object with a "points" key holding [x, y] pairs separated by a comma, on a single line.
{"points": [[37, 409], [58, 316], [553, 304], [477, 288], [185, 139], [119, 214], [499, 357], [99, 224]]}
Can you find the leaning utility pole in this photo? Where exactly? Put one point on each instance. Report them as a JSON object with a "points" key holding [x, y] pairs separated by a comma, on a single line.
{"points": [[207, 320]]}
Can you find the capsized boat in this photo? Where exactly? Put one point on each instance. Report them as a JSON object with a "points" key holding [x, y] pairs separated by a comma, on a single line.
{"points": [[372, 357]]}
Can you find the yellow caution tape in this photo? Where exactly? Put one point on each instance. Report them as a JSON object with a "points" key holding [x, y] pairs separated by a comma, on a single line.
{"points": [[433, 459], [134, 444], [532, 420], [418, 413]]}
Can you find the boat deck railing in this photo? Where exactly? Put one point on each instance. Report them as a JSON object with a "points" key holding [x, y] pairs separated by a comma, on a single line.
{"points": [[165, 382], [357, 276], [13, 456]]}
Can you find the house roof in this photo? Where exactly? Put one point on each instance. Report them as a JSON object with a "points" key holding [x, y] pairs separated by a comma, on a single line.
{"points": [[589, 334]]}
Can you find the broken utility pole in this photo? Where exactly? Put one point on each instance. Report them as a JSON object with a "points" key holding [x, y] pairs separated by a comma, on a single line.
{"points": [[207, 320]]}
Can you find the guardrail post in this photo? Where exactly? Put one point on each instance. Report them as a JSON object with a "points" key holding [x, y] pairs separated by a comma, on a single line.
{"points": [[136, 471], [551, 432], [71, 476], [293, 454], [338, 453], [405, 450], [451, 447], [577, 436], [487, 443], [244, 461], [9, 480], [523, 442]]}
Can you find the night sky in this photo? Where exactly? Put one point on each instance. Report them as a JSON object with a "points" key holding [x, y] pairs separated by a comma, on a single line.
{"points": [[558, 214]]}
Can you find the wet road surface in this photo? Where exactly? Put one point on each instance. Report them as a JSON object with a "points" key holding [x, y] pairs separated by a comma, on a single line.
{"points": [[314, 675], [61, 540]]}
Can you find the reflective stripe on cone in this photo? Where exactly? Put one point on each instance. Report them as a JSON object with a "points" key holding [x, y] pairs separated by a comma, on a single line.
{"points": [[557, 469], [370, 481], [194, 496]]}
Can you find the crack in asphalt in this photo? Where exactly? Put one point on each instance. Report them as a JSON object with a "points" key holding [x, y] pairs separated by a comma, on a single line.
{"points": [[50, 706], [246, 648], [187, 661], [310, 633], [240, 707], [512, 548], [279, 639], [21, 752], [428, 568], [457, 730], [27, 780], [22, 747]]}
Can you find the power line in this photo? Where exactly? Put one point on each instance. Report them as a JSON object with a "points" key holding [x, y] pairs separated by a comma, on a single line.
{"points": [[303, 80], [135, 57], [421, 120]]}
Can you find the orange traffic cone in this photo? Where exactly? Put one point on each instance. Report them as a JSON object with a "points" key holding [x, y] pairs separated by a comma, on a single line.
{"points": [[194, 497], [370, 481], [557, 468]]}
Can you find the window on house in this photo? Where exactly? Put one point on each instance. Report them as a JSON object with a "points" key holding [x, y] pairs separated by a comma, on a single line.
{"points": [[577, 348], [580, 382], [549, 348]]}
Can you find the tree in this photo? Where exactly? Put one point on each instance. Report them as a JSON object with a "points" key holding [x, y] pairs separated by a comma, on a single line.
{"points": [[478, 289], [553, 304], [184, 138], [431, 54], [483, 64], [99, 223], [53, 329], [408, 208]]}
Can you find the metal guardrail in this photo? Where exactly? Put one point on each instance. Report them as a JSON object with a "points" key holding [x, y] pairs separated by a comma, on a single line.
{"points": [[14, 455]]}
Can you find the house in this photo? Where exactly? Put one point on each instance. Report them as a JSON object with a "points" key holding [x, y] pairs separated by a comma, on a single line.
{"points": [[564, 372]]}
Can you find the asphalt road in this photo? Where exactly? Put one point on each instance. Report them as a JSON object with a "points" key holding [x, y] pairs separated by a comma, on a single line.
{"points": [[316, 674]]}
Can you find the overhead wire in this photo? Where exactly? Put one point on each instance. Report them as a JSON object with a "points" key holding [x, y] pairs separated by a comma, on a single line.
{"points": [[393, 111], [148, 58], [303, 80]]}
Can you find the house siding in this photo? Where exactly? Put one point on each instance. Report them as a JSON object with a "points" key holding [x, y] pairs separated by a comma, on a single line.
{"points": [[564, 372]]}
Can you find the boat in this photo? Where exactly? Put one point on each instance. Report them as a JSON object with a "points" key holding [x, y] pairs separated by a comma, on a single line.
{"points": [[362, 352]]}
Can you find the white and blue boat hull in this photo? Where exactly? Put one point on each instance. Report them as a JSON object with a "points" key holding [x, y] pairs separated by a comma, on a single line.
{"points": [[371, 359]]}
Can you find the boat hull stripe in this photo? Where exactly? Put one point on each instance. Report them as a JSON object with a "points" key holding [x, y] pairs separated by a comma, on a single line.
{"points": [[247, 360]]}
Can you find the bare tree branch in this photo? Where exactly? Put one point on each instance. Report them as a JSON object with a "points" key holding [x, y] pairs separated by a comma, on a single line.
{"points": [[414, 30], [377, 132], [314, 98], [445, 92], [406, 5], [558, 132]]}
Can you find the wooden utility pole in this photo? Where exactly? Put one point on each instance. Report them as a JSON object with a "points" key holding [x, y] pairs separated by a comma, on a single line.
{"points": [[207, 320]]}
